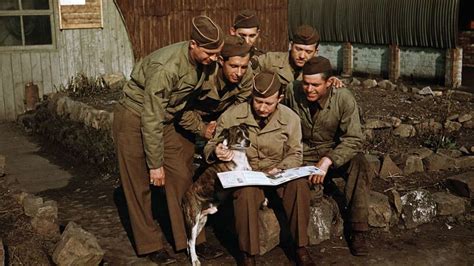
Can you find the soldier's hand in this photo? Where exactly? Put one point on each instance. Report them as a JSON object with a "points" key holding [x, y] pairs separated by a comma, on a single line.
{"points": [[157, 177], [323, 165], [274, 171], [336, 82], [223, 153], [210, 130]]}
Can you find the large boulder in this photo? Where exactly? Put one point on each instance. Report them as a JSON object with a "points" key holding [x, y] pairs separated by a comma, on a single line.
{"points": [[465, 162], [413, 164], [389, 168], [268, 229], [77, 247], [462, 184], [380, 212], [448, 204], [374, 163], [437, 161], [324, 221], [418, 208], [405, 131], [45, 222]]}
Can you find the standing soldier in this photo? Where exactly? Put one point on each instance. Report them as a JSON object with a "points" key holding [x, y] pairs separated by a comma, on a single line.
{"points": [[150, 152], [288, 65], [247, 26], [230, 84]]}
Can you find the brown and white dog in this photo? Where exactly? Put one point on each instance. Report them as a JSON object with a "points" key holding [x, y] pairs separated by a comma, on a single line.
{"points": [[199, 200]]}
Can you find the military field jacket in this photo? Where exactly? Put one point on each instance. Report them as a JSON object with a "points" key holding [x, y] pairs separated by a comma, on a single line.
{"points": [[159, 87], [278, 144], [334, 130], [208, 105], [278, 62]]}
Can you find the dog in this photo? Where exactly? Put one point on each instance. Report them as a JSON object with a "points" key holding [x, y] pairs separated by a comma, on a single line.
{"points": [[199, 200]]}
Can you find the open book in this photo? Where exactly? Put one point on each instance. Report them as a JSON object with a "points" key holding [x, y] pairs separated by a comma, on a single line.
{"points": [[251, 178]]}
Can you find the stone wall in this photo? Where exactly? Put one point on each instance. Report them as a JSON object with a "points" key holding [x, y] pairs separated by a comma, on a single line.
{"points": [[333, 52]]}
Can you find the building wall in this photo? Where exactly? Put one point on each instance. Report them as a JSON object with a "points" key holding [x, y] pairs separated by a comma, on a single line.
{"points": [[370, 59], [466, 42], [333, 52], [155, 24], [422, 62], [89, 51]]}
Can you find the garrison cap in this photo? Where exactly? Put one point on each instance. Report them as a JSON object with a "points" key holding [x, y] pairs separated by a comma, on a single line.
{"points": [[235, 46], [206, 32], [317, 65], [246, 19], [306, 34], [265, 84]]}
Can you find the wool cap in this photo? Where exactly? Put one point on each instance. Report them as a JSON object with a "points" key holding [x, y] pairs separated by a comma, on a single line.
{"points": [[235, 46], [306, 34], [317, 65], [265, 84], [246, 19], [206, 32]]}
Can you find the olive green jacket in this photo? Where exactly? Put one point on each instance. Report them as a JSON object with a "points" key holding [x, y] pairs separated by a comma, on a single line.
{"points": [[334, 130], [208, 104], [160, 86], [278, 144], [278, 62]]}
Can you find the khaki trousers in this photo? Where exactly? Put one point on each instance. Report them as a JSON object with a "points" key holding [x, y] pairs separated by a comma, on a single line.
{"points": [[358, 177], [134, 175], [247, 201]]}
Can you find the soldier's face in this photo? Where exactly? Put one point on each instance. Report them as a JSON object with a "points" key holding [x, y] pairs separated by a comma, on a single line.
{"points": [[250, 35], [264, 107], [235, 67], [315, 86], [202, 55], [300, 53]]}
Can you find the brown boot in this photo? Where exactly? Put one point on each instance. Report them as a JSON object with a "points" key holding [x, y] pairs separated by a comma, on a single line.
{"points": [[247, 260], [358, 244], [303, 258]]}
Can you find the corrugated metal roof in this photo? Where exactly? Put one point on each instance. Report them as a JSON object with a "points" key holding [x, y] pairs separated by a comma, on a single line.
{"points": [[419, 23]]}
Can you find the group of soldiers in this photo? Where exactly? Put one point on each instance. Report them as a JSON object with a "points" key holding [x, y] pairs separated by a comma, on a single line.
{"points": [[295, 110]]}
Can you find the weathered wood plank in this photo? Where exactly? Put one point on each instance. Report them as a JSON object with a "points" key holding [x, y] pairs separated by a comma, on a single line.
{"points": [[18, 60], [46, 73], [84, 41], [113, 40], [36, 73], [5, 84], [55, 72], [76, 53], [106, 42]]}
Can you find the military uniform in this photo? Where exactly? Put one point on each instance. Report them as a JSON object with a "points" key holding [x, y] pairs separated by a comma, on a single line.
{"points": [[334, 131], [214, 97], [278, 62], [277, 144], [145, 138]]}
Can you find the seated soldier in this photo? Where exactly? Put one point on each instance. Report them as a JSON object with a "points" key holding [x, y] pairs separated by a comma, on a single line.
{"points": [[332, 140], [275, 135]]}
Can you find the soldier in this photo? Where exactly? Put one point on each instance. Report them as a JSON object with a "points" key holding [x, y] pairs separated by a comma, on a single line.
{"points": [[150, 152], [230, 84], [247, 26], [275, 134], [332, 140], [288, 65]]}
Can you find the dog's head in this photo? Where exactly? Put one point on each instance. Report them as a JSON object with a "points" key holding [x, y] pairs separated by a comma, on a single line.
{"points": [[236, 137]]}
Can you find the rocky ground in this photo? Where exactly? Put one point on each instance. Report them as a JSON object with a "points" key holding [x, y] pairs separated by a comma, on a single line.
{"points": [[399, 120]]}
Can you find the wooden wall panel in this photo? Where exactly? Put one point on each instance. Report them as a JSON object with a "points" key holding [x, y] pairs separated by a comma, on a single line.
{"points": [[92, 52], [154, 24]]}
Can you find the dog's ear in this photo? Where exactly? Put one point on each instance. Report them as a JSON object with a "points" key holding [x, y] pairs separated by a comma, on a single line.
{"points": [[224, 136], [244, 127]]}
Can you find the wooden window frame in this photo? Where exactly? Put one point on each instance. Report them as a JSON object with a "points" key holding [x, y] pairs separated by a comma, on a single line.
{"points": [[49, 12]]}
